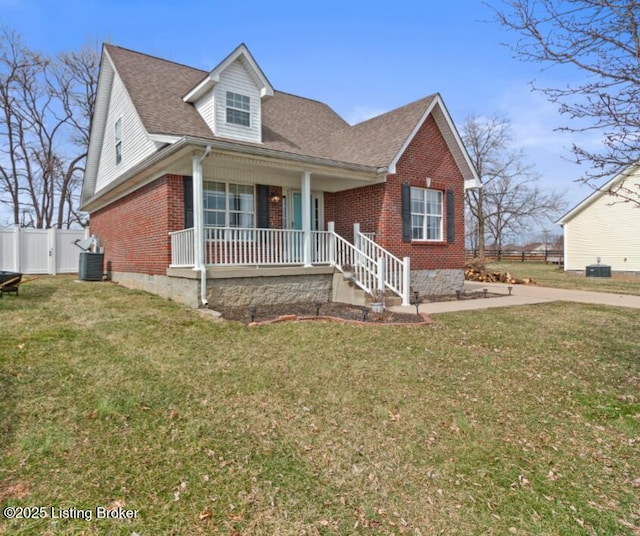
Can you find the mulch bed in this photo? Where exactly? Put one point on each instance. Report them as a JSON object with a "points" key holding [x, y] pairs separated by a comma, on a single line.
{"points": [[333, 310], [308, 310]]}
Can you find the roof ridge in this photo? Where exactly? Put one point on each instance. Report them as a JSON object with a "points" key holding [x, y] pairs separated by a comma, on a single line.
{"points": [[301, 97], [394, 110], [158, 58]]}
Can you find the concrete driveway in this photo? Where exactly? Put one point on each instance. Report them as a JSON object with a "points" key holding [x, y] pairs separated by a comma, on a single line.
{"points": [[522, 295]]}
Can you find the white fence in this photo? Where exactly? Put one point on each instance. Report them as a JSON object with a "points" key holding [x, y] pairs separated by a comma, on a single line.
{"points": [[39, 251]]}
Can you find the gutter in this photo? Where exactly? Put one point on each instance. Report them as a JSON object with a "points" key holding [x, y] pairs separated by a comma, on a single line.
{"points": [[186, 141]]}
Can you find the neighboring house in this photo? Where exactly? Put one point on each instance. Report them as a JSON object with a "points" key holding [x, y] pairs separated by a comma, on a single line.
{"points": [[214, 187], [604, 228]]}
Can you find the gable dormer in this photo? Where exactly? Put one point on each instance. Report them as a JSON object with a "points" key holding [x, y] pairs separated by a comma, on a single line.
{"points": [[230, 97]]}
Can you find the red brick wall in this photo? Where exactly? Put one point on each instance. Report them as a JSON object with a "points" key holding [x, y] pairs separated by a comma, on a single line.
{"points": [[134, 230], [378, 208], [361, 205], [275, 209]]}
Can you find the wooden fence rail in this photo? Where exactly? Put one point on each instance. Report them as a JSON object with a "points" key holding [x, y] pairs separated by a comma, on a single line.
{"points": [[555, 256]]}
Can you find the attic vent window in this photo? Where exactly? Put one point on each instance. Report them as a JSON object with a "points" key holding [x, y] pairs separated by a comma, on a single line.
{"points": [[117, 131], [238, 108]]}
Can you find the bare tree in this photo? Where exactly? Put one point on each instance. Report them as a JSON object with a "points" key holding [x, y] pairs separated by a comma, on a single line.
{"points": [[509, 201], [601, 38], [513, 204], [45, 108], [77, 75]]}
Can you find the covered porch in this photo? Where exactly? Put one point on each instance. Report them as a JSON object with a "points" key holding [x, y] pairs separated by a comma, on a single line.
{"points": [[276, 251], [262, 219]]}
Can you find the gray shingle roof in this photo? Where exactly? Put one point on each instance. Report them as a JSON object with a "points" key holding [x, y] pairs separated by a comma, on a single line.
{"points": [[289, 123]]}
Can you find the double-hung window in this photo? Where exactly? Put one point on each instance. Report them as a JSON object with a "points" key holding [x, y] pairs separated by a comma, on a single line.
{"points": [[426, 214], [228, 205], [238, 109], [117, 134]]}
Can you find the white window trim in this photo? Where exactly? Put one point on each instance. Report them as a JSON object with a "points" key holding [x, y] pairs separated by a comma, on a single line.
{"points": [[237, 109], [227, 210], [426, 215]]}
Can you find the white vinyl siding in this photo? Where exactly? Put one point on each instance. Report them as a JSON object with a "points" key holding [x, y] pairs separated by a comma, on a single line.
{"points": [[206, 108], [236, 79], [136, 142], [426, 214], [606, 230]]}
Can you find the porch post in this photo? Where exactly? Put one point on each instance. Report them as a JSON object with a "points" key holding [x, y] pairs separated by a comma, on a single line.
{"points": [[198, 232], [331, 227], [356, 242], [306, 218]]}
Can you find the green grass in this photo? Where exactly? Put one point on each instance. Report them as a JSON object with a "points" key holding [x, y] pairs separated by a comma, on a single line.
{"points": [[514, 420], [549, 275]]}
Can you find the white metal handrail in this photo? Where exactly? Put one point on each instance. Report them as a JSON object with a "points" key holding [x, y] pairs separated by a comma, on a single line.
{"points": [[392, 272], [364, 268], [393, 266]]}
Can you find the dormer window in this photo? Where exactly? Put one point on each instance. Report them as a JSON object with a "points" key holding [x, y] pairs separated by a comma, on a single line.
{"points": [[117, 132], [238, 109]]}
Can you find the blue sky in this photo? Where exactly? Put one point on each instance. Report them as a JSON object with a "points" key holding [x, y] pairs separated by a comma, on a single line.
{"points": [[361, 58]]}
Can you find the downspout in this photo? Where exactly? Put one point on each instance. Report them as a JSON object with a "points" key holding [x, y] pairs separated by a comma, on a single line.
{"points": [[198, 228]]}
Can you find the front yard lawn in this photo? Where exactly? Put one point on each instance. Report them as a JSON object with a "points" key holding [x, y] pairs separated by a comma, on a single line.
{"points": [[506, 421]]}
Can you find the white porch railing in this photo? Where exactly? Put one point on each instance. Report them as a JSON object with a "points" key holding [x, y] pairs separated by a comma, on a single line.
{"points": [[392, 270], [225, 246], [182, 252], [364, 268], [253, 247], [373, 266]]}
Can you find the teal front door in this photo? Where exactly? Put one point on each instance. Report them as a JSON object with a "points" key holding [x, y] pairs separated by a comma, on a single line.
{"points": [[295, 245], [297, 211]]}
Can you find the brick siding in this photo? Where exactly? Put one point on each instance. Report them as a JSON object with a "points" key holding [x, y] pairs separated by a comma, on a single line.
{"points": [[378, 208], [134, 230]]}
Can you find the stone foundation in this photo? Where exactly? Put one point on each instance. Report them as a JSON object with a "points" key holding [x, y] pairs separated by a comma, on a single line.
{"points": [[181, 290], [265, 290], [437, 282], [243, 292]]}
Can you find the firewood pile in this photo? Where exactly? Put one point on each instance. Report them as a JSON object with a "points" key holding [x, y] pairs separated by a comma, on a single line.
{"points": [[475, 270]]}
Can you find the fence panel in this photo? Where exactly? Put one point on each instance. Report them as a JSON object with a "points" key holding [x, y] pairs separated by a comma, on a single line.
{"points": [[34, 251], [67, 254], [549, 256], [39, 251], [8, 248]]}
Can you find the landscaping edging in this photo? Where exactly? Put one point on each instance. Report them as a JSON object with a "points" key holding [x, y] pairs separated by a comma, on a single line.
{"points": [[426, 320]]}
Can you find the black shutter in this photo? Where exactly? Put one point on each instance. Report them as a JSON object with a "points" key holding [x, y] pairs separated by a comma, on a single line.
{"points": [[406, 213], [451, 227], [263, 206], [188, 202]]}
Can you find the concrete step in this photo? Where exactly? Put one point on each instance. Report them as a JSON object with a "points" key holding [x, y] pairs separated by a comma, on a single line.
{"points": [[346, 291], [392, 301]]}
